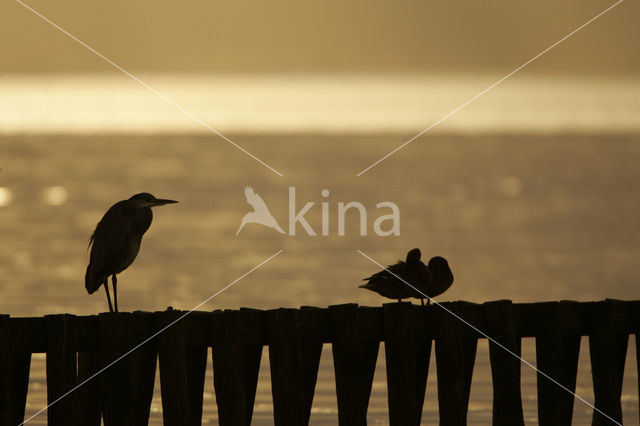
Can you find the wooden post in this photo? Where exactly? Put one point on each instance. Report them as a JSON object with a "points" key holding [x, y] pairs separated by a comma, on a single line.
{"points": [[28, 335], [608, 349], [557, 350], [310, 353], [20, 366], [89, 395], [505, 368], [294, 369], [635, 328], [235, 365], [127, 385], [354, 361], [295, 339], [61, 369], [182, 371], [407, 356], [456, 347], [5, 372], [14, 376]]}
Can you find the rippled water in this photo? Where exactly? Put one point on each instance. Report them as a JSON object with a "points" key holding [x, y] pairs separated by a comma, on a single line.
{"points": [[527, 218]]}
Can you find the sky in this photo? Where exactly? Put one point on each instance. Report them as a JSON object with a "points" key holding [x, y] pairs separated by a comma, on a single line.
{"points": [[320, 37]]}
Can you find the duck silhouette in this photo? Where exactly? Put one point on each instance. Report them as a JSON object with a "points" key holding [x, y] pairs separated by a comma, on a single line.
{"points": [[428, 280], [260, 213], [441, 277]]}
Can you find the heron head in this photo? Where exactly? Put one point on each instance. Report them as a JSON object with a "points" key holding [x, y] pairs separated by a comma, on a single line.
{"points": [[144, 199], [413, 256]]}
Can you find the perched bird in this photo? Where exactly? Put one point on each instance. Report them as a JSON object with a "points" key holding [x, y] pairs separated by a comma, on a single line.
{"points": [[441, 277], [116, 241], [260, 213], [389, 282], [427, 280]]}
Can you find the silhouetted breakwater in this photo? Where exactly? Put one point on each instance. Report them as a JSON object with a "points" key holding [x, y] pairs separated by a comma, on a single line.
{"points": [[79, 346]]}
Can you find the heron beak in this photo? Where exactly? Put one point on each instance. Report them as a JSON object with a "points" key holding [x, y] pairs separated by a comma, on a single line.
{"points": [[161, 202]]}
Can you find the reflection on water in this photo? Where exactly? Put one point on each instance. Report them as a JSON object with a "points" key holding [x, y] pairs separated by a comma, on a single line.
{"points": [[526, 218], [521, 217], [54, 195], [327, 103], [5, 196]]}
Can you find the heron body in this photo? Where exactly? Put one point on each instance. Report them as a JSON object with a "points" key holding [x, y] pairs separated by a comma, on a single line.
{"points": [[425, 280], [115, 243]]}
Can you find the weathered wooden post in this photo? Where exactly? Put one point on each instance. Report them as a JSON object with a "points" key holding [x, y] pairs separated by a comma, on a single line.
{"points": [[79, 347], [89, 394], [557, 350], [354, 358], [635, 328], [294, 369], [505, 368], [310, 352], [14, 376], [127, 385], [61, 369], [608, 349], [5, 371], [235, 364], [407, 360], [20, 363], [456, 345], [182, 369]]}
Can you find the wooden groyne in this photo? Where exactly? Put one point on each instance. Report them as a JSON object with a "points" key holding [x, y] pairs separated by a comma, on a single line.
{"points": [[77, 347]]}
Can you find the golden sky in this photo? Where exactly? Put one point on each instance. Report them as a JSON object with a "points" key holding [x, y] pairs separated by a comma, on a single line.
{"points": [[328, 36]]}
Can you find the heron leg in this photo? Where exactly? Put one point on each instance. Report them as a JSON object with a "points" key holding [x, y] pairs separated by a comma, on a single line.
{"points": [[421, 302], [106, 288], [115, 290]]}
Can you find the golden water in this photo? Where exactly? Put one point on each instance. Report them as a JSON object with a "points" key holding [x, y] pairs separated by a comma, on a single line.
{"points": [[527, 218]]}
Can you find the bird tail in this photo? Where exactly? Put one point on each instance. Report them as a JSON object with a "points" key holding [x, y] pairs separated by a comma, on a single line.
{"points": [[367, 285], [277, 227], [241, 225], [91, 281]]}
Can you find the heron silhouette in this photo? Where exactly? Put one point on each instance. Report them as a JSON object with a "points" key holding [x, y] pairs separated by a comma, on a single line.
{"points": [[428, 280], [260, 213], [115, 243]]}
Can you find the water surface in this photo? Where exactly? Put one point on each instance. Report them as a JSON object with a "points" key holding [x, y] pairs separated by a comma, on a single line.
{"points": [[521, 217]]}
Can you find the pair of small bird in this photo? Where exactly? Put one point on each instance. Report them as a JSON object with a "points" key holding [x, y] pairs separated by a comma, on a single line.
{"points": [[412, 278], [115, 243]]}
